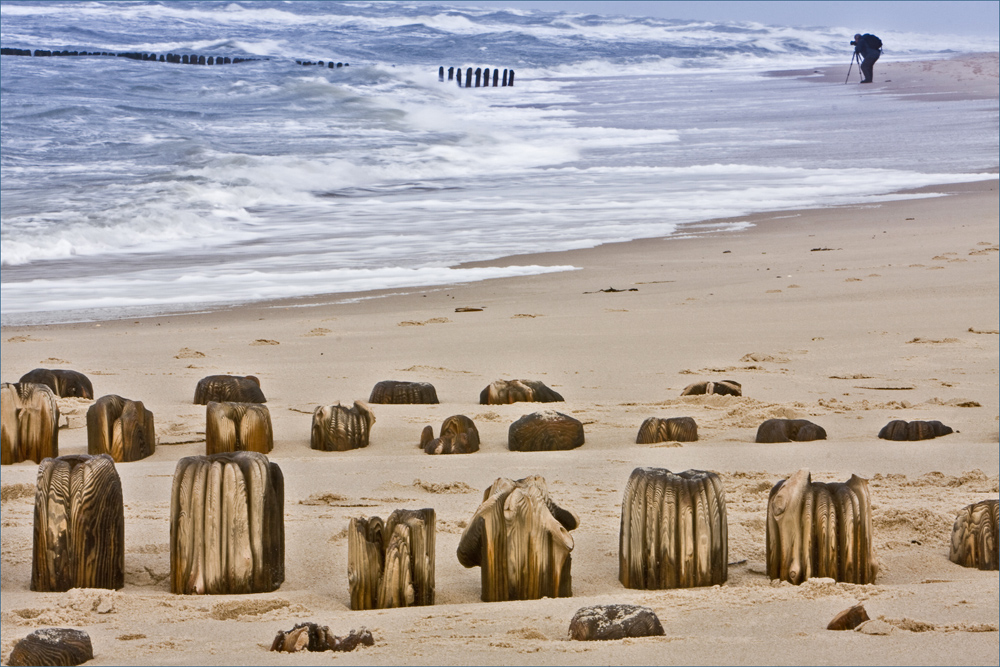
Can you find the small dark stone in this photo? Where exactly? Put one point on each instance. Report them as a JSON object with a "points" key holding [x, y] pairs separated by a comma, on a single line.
{"points": [[614, 621], [849, 618]]}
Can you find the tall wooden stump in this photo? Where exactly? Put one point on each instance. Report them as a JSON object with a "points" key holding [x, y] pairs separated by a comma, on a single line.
{"points": [[29, 423], [391, 564], [227, 526], [520, 540], [336, 428], [674, 531], [121, 428], [976, 536], [238, 427], [79, 531], [817, 529]]}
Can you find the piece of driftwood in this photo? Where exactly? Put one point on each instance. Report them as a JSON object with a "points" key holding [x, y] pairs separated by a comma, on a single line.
{"points": [[120, 427], [545, 431], [789, 430], [976, 535], [520, 540], [849, 618], [392, 564], [459, 435], [79, 530], [658, 429], [53, 646], [817, 529], [337, 428], [29, 423], [63, 383], [898, 429], [227, 526], [238, 427], [723, 387], [614, 621], [674, 531], [314, 637], [228, 388], [396, 392], [503, 392]]}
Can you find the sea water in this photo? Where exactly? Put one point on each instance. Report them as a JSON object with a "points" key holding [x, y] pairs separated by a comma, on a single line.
{"points": [[134, 187]]}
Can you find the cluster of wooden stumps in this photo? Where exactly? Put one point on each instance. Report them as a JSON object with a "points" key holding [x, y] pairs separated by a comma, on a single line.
{"points": [[478, 78]]}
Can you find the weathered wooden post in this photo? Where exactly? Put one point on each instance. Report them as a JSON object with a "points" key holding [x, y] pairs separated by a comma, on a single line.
{"points": [[29, 423], [120, 427], [392, 564], [459, 435], [336, 428], [468, 77], [238, 427], [545, 431], [233, 388], [976, 536], [503, 392], [441, 73], [395, 391], [504, 84], [496, 77], [657, 429], [451, 73]]}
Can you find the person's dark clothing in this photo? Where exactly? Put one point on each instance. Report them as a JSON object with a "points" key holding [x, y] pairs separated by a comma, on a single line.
{"points": [[869, 55]]}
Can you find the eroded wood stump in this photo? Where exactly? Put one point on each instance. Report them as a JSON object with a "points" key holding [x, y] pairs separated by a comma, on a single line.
{"points": [[238, 427], [503, 392], [520, 540], [63, 383], [29, 423], [396, 392], [392, 564], [459, 435], [976, 535], [228, 388], [614, 621], [657, 429], [849, 618], [545, 431], [817, 529], [336, 428], [915, 430], [674, 531], [120, 427], [227, 526], [314, 637], [723, 387], [79, 529], [53, 646], [789, 430]]}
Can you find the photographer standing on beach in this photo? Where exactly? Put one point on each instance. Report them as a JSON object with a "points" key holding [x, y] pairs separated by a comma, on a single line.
{"points": [[869, 47]]}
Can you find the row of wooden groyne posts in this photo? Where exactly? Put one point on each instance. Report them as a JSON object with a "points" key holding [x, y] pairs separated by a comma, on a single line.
{"points": [[481, 74]]}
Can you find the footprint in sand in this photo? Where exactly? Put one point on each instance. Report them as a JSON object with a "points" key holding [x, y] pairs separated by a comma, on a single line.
{"points": [[188, 353], [265, 341], [319, 331], [417, 323], [53, 360], [852, 280], [524, 316]]}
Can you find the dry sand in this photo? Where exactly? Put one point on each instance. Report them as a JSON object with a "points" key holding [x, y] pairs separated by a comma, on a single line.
{"points": [[849, 317]]}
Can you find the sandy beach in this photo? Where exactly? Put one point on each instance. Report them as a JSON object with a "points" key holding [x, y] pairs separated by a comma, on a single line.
{"points": [[849, 317]]}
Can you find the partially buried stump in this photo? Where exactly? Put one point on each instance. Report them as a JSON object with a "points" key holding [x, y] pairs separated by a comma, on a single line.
{"points": [[79, 529], [227, 527], [238, 427], [337, 428], [63, 383], [392, 564], [976, 535], [789, 430], [545, 431], [614, 621], [817, 529], [29, 423], [53, 646], [724, 387], [915, 430], [120, 427], [394, 391], [520, 540], [459, 435], [228, 388], [849, 618], [502, 392], [313, 637], [657, 429], [674, 531]]}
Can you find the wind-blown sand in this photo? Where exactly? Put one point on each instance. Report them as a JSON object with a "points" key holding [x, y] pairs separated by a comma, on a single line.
{"points": [[849, 317]]}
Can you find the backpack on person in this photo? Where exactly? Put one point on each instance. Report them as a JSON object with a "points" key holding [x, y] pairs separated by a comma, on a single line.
{"points": [[872, 42]]}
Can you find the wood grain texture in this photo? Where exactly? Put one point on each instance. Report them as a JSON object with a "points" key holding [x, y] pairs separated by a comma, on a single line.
{"points": [[337, 428], [915, 430], [789, 430], [614, 621], [120, 427], [545, 431], [391, 564], [976, 535], [53, 646], [63, 383], [503, 392], [228, 388], [459, 435], [238, 427], [817, 529], [672, 429], [674, 530], [227, 532], [314, 637], [397, 392], [29, 423], [519, 538], [723, 387], [79, 526]]}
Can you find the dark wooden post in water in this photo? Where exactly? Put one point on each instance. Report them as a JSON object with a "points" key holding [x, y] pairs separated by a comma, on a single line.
{"points": [[468, 77], [504, 84], [79, 530], [227, 525], [391, 565], [451, 73], [29, 423], [238, 427], [120, 427], [479, 74], [674, 531], [496, 77], [510, 79], [520, 540], [441, 73], [975, 536]]}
